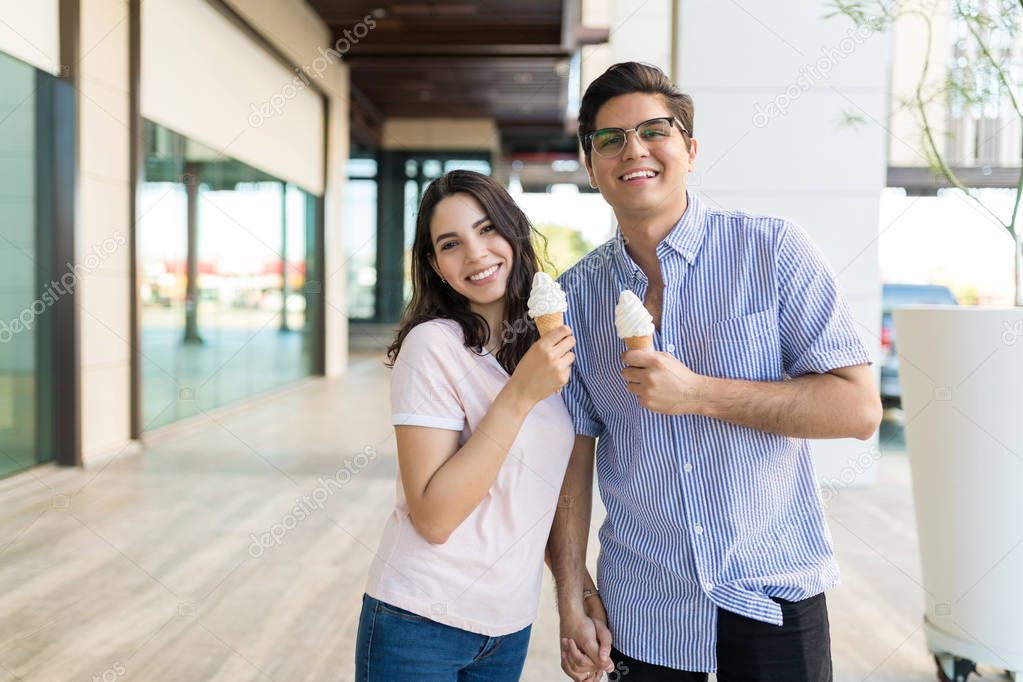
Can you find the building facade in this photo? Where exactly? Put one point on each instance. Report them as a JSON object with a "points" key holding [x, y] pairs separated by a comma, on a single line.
{"points": [[178, 236]]}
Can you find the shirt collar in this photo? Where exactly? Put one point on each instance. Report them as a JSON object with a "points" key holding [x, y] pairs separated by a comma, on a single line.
{"points": [[685, 239]]}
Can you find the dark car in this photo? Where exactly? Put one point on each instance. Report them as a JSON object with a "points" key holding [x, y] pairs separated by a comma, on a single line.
{"points": [[892, 297]]}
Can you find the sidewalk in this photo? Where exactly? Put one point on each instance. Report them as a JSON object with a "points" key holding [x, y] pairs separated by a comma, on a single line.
{"points": [[190, 562]]}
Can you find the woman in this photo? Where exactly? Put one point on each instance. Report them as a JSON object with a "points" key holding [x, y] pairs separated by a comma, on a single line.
{"points": [[483, 441]]}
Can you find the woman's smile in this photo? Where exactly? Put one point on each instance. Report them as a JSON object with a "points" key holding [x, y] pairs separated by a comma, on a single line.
{"points": [[485, 276]]}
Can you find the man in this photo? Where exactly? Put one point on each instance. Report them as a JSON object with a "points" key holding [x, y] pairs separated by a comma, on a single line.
{"points": [[715, 553]]}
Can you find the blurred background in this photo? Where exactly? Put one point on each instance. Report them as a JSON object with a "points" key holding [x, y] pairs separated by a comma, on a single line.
{"points": [[257, 182], [205, 218]]}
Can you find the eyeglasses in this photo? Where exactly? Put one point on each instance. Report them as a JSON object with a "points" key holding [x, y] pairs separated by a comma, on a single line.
{"points": [[609, 142]]}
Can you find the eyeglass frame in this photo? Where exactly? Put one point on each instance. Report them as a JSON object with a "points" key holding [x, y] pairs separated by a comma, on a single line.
{"points": [[588, 138]]}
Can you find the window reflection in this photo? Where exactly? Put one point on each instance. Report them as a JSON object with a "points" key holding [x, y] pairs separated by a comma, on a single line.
{"points": [[360, 238], [247, 327], [26, 291]]}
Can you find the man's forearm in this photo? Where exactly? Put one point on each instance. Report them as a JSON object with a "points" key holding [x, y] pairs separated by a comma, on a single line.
{"points": [[566, 547], [812, 406]]}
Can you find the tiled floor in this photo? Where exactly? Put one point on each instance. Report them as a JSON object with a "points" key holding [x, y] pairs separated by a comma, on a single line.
{"points": [[147, 568]]}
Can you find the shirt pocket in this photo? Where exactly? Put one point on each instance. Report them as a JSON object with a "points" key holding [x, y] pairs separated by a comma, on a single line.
{"points": [[744, 347]]}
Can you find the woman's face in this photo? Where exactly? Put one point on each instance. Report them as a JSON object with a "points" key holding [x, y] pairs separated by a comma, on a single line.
{"points": [[469, 252]]}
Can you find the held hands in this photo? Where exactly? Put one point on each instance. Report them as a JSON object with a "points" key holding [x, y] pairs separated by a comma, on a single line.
{"points": [[662, 383], [545, 367], [586, 641]]}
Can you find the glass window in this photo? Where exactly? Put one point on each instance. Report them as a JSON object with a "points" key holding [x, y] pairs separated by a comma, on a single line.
{"points": [[360, 238], [245, 326], [26, 290]]}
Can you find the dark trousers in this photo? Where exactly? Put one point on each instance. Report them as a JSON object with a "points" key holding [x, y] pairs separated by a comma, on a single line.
{"points": [[752, 651]]}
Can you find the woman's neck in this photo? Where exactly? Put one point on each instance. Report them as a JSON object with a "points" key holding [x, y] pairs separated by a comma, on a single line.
{"points": [[493, 313]]}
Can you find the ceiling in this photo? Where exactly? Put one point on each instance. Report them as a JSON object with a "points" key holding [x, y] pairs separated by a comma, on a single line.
{"points": [[504, 59]]}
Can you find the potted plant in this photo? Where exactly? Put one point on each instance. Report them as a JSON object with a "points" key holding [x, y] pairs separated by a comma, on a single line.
{"points": [[962, 367]]}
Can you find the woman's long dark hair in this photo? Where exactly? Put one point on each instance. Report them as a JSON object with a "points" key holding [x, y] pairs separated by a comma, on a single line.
{"points": [[432, 298]]}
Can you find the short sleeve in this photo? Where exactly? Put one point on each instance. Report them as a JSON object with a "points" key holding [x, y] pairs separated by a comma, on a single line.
{"points": [[585, 419], [423, 380], [818, 332], [576, 396]]}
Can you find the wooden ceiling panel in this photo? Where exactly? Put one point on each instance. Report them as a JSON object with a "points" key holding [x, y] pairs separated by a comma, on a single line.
{"points": [[503, 88], [504, 59]]}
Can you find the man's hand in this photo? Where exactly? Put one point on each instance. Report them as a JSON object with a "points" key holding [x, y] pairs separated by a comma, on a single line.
{"points": [[661, 383], [586, 641]]}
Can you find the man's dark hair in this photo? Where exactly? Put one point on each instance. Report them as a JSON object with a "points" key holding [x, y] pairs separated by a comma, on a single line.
{"points": [[626, 78]]}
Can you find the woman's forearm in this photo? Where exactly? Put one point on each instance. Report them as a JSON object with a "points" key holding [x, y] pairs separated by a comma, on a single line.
{"points": [[462, 481]]}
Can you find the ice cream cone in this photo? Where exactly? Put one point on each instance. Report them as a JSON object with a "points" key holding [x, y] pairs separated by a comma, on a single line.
{"points": [[545, 323], [639, 342], [547, 303], [633, 322]]}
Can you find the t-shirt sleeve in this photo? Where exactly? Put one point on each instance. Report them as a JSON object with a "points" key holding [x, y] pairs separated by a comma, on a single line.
{"points": [[424, 380], [818, 332]]}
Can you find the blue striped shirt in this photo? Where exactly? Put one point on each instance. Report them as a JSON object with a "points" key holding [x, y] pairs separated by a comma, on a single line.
{"points": [[703, 514]]}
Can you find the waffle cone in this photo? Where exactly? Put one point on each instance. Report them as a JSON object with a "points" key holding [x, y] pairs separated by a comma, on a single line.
{"points": [[545, 323], [639, 342]]}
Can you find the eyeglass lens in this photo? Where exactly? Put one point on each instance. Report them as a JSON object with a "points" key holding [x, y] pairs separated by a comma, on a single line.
{"points": [[611, 141]]}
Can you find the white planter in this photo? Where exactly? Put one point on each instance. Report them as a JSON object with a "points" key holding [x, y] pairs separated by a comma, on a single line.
{"points": [[962, 385]]}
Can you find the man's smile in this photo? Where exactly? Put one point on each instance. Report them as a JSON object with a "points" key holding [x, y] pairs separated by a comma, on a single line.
{"points": [[638, 175]]}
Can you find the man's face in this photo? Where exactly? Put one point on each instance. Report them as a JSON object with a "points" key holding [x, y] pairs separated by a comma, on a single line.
{"points": [[644, 180]]}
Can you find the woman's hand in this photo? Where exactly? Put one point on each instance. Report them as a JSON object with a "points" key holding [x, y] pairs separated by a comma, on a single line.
{"points": [[545, 367]]}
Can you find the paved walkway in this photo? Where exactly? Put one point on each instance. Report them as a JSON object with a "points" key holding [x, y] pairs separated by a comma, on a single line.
{"points": [[146, 568]]}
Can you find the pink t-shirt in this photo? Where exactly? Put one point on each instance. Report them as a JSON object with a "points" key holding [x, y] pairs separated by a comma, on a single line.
{"points": [[486, 578]]}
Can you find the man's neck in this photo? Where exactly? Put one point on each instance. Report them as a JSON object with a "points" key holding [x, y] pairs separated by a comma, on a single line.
{"points": [[644, 233]]}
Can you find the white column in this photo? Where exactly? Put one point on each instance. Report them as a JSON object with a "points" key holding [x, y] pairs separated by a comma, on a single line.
{"points": [[335, 267], [103, 229]]}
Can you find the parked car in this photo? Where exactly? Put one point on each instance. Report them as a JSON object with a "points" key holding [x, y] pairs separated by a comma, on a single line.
{"points": [[894, 296]]}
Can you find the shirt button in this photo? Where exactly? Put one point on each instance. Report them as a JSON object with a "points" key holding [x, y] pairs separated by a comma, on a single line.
{"points": [[698, 529], [708, 586], [687, 467], [670, 348]]}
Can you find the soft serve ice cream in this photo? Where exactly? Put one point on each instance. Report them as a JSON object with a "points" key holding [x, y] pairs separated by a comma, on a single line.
{"points": [[547, 303], [634, 322]]}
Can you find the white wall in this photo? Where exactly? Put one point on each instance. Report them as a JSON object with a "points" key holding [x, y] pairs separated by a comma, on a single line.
{"points": [[227, 92], [736, 59], [441, 133], [30, 31], [639, 31]]}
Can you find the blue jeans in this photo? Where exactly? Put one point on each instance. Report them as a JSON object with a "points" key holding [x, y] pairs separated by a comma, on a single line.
{"points": [[395, 645]]}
